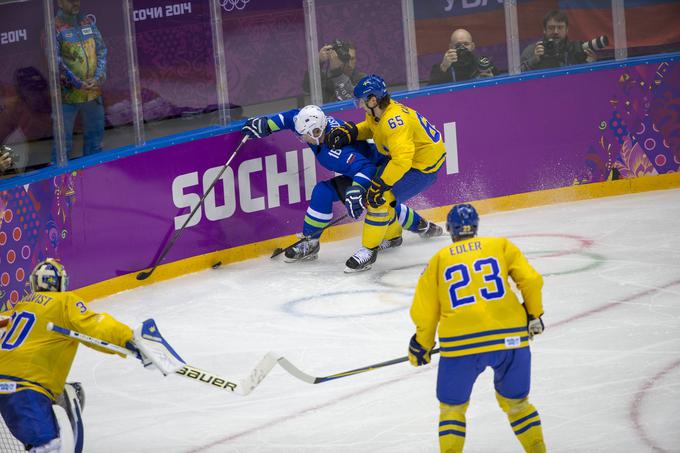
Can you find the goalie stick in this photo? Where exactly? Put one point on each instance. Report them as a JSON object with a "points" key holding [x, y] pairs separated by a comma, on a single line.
{"points": [[279, 250], [145, 274], [242, 388]]}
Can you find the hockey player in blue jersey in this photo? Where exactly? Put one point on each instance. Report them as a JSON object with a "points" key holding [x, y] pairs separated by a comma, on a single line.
{"points": [[355, 164]]}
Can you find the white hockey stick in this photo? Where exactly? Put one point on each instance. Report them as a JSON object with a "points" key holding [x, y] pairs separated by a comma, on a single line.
{"points": [[187, 371]]}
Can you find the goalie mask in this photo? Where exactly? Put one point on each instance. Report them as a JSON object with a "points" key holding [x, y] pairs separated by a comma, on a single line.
{"points": [[49, 275], [311, 121]]}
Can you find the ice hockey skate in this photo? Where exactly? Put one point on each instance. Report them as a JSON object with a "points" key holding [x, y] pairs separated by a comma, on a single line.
{"points": [[362, 260], [306, 250], [390, 243], [427, 230]]}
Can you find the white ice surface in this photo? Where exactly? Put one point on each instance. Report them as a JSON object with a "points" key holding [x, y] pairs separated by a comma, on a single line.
{"points": [[606, 373]]}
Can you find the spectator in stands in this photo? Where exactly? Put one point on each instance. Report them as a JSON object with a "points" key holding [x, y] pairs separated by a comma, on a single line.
{"points": [[339, 74], [81, 54], [460, 62], [555, 49]]}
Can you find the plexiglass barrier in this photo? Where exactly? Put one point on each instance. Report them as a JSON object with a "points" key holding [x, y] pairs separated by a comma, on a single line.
{"points": [[83, 77]]}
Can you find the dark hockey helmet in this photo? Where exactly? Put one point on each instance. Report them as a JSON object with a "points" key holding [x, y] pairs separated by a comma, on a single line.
{"points": [[462, 221], [371, 85]]}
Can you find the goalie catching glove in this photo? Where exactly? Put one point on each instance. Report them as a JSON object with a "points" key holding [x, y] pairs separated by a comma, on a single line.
{"points": [[152, 349], [417, 354], [354, 200], [342, 135], [257, 127]]}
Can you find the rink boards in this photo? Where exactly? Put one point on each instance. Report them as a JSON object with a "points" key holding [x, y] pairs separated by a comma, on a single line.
{"points": [[511, 142]]}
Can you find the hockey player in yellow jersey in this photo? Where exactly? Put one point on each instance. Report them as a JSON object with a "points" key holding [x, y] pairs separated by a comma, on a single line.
{"points": [[35, 362], [416, 152], [464, 293]]}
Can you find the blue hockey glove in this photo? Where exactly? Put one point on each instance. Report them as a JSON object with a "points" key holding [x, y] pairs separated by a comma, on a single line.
{"points": [[417, 354], [535, 326], [354, 200], [256, 127], [375, 193], [342, 135]]}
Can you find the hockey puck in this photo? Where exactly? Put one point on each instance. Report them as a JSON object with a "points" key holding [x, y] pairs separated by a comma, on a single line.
{"points": [[277, 251], [217, 264]]}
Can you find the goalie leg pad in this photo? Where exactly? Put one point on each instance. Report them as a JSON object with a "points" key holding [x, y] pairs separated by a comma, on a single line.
{"points": [[72, 401], [67, 441], [152, 346]]}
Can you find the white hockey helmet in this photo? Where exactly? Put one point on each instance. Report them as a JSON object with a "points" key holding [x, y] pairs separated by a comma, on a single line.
{"points": [[49, 275], [311, 120]]}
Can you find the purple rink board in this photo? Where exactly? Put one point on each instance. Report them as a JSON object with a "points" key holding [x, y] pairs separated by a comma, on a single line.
{"points": [[114, 218]]}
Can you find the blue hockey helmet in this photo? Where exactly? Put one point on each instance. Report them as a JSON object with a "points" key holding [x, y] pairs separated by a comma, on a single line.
{"points": [[371, 85], [49, 275], [462, 221]]}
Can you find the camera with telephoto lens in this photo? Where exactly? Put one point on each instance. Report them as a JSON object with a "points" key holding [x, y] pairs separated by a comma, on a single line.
{"points": [[594, 44], [553, 48], [341, 48], [465, 57]]}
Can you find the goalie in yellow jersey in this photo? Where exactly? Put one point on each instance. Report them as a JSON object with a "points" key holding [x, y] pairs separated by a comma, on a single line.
{"points": [[416, 152], [35, 362], [464, 293]]}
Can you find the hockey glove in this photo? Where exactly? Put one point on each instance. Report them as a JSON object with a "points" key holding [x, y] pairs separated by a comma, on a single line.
{"points": [[153, 348], [256, 127], [535, 326], [354, 200], [417, 354], [374, 197], [146, 362], [342, 135]]}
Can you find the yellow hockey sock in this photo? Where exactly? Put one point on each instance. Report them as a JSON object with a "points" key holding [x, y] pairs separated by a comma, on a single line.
{"points": [[452, 427], [525, 422]]}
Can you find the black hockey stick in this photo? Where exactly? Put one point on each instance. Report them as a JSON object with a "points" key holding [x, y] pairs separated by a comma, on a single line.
{"points": [[295, 371], [145, 274], [279, 250]]}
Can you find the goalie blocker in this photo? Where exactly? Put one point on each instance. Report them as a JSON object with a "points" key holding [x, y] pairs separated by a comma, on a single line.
{"points": [[152, 349]]}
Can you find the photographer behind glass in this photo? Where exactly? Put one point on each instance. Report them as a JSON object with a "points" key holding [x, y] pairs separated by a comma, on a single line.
{"points": [[555, 49], [339, 75], [460, 62]]}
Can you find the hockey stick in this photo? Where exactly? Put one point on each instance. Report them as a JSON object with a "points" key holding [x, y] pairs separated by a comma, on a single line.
{"points": [[295, 371], [145, 274], [279, 250], [187, 371]]}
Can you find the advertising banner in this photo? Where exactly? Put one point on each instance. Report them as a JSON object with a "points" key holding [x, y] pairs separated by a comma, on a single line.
{"points": [[515, 137]]}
